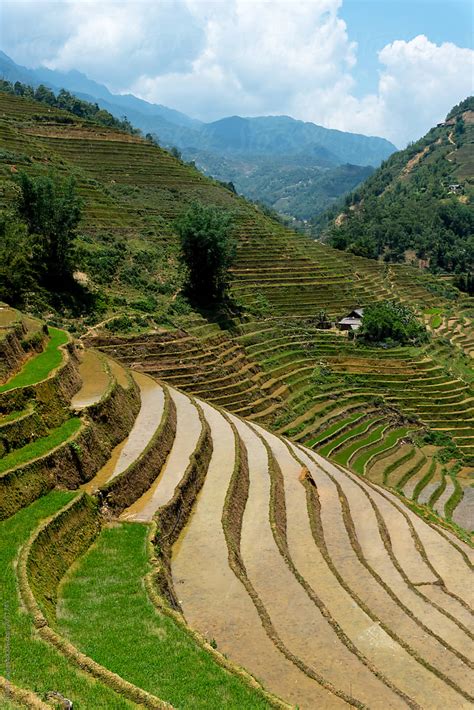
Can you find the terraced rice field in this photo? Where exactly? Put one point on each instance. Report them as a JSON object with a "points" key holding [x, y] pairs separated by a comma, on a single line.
{"points": [[205, 552]]}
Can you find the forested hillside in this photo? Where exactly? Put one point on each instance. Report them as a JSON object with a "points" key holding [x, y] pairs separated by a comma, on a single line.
{"points": [[418, 205]]}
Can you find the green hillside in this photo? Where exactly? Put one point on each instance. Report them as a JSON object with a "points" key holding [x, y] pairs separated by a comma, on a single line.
{"points": [[237, 507], [417, 207]]}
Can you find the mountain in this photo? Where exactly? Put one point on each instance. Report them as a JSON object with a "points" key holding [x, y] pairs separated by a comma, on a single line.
{"points": [[282, 135], [296, 186], [295, 167], [418, 205]]}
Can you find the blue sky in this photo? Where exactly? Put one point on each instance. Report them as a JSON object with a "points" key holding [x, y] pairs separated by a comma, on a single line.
{"points": [[380, 67], [375, 23]]}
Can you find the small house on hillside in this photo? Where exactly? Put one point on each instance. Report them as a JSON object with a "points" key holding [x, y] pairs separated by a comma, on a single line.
{"points": [[352, 321]]}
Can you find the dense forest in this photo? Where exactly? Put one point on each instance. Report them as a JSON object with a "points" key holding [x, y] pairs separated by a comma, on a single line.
{"points": [[418, 205]]}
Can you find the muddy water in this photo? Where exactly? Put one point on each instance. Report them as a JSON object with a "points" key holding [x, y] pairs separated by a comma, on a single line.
{"points": [[413, 561], [464, 512], [410, 485], [447, 561], [440, 552], [373, 642], [424, 685], [430, 488], [188, 429], [296, 619], [119, 373], [377, 470], [444, 497], [145, 425], [374, 552], [95, 380], [213, 599]]}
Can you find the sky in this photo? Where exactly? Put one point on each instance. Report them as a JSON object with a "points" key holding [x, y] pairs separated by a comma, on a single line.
{"points": [[391, 68]]}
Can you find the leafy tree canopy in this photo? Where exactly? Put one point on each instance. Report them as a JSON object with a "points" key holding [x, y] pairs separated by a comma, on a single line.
{"points": [[391, 321], [51, 210], [208, 251]]}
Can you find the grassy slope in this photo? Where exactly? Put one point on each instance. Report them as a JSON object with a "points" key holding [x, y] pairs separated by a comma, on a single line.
{"points": [[39, 366], [34, 664], [105, 590], [41, 446]]}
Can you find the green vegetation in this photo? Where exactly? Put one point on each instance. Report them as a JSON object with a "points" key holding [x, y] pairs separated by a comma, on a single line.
{"points": [[16, 260], [33, 663], [419, 199], [389, 441], [208, 251], [51, 211], [68, 102], [40, 447], [436, 321], [38, 367], [344, 455], [390, 321], [106, 612]]}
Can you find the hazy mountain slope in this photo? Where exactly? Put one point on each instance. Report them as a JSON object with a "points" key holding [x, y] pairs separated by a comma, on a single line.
{"points": [[276, 160], [283, 135], [297, 186], [419, 202]]}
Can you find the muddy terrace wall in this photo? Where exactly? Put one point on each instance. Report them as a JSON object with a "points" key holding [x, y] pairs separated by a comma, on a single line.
{"points": [[129, 485], [77, 460]]}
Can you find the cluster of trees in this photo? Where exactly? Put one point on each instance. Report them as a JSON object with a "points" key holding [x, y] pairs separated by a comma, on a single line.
{"points": [[388, 321], [68, 102], [37, 238], [208, 250]]}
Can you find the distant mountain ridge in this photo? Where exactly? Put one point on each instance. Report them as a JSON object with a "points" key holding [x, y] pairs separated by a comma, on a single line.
{"points": [[251, 152]]}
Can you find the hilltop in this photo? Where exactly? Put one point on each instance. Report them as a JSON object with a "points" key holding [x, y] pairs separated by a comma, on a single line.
{"points": [[417, 207]]}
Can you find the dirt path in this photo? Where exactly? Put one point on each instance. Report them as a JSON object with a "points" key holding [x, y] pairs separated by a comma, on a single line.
{"points": [[212, 598], [188, 429], [146, 423]]}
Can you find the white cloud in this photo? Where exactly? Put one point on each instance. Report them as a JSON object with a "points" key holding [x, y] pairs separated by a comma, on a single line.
{"points": [[212, 58], [420, 81]]}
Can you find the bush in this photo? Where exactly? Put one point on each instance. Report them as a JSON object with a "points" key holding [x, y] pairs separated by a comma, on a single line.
{"points": [[390, 321]]}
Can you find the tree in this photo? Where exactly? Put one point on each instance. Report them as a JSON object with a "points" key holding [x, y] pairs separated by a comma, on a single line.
{"points": [[208, 250], [51, 210], [388, 320], [16, 260]]}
